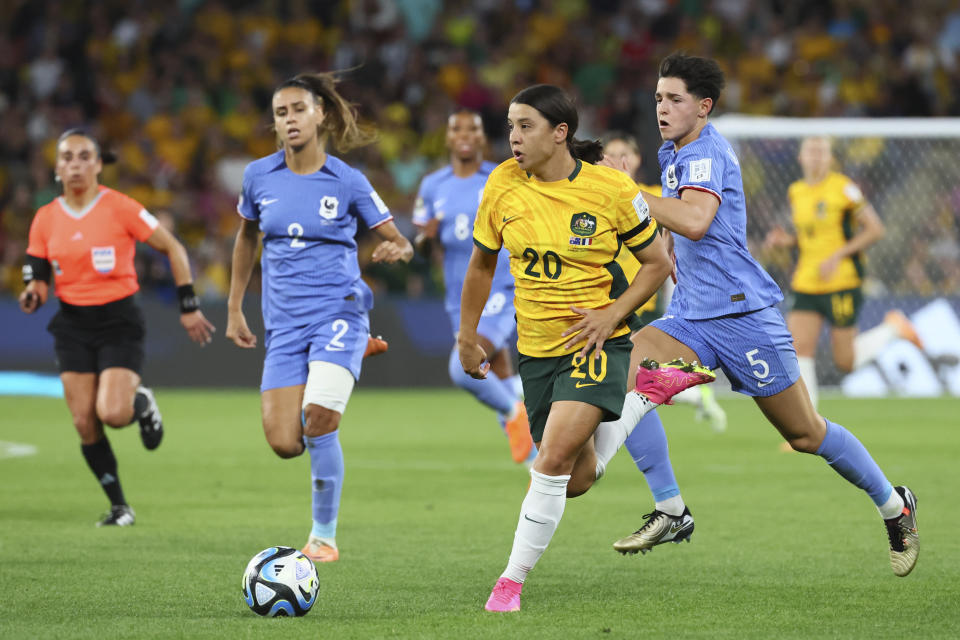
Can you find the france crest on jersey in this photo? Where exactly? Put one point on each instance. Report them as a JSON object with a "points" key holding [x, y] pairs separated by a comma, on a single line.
{"points": [[453, 201], [716, 275], [309, 224]]}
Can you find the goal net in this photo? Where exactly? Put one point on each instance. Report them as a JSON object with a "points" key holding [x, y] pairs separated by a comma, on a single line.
{"points": [[909, 170]]}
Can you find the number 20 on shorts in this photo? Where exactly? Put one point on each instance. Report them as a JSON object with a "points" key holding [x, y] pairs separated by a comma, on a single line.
{"points": [[591, 365]]}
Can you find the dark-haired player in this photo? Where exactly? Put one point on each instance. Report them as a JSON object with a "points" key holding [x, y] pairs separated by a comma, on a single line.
{"points": [[85, 240], [446, 208], [723, 312]]}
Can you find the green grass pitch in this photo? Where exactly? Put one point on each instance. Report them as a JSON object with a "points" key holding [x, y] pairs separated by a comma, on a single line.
{"points": [[783, 547]]}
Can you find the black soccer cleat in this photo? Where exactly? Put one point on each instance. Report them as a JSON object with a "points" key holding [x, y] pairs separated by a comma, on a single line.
{"points": [[148, 415], [659, 528], [120, 515]]}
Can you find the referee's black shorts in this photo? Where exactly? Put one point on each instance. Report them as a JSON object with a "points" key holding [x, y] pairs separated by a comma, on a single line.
{"points": [[89, 339]]}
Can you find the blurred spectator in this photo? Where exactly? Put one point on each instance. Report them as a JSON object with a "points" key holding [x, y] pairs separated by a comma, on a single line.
{"points": [[181, 90]]}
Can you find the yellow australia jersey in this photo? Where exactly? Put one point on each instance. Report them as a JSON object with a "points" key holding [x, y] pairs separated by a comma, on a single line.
{"points": [[825, 218], [629, 263], [562, 236]]}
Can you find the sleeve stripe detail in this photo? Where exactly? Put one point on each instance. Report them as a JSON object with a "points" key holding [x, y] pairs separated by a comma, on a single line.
{"points": [[637, 229], [704, 189], [382, 222], [643, 245], [484, 248]]}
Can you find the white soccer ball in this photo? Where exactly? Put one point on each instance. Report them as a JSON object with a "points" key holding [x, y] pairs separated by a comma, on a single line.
{"points": [[280, 581]]}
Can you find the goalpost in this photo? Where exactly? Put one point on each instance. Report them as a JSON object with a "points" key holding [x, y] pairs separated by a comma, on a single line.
{"points": [[909, 169]]}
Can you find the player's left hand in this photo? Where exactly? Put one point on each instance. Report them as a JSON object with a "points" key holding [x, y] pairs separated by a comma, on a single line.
{"points": [[593, 329], [390, 251], [198, 327], [828, 266]]}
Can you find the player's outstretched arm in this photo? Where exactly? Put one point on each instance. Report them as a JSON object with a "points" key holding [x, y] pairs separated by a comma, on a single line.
{"points": [[596, 325], [690, 216], [394, 246], [197, 326], [476, 290], [244, 257]]}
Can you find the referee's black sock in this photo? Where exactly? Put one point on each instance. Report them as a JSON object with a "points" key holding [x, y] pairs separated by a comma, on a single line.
{"points": [[103, 463]]}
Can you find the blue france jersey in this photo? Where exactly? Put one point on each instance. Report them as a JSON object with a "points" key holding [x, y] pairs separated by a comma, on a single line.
{"points": [[716, 275], [454, 201], [309, 224]]}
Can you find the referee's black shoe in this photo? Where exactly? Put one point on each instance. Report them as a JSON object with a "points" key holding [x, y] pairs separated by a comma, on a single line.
{"points": [[148, 415]]}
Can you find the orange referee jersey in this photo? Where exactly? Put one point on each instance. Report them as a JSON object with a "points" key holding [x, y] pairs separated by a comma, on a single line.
{"points": [[91, 251]]}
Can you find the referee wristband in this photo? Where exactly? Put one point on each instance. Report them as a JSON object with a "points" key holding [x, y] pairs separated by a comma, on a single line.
{"points": [[188, 298]]}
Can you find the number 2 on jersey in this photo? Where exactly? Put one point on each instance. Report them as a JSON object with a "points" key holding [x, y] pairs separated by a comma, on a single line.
{"points": [[340, 327], [551, 263], [296, 231]]}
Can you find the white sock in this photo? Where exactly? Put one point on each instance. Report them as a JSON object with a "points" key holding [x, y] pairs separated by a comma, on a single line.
{"points": [[893, 507], [514, 410], [869, 344], [691, 396], [673, 505], [610, 436], [516, 384], [808, 371], [540, 514]]}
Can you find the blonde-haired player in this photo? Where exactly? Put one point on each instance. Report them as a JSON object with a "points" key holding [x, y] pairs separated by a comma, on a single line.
{"points": [[834, 223]]}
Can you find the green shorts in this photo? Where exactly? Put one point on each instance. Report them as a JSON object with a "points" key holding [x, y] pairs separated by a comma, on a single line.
{"points": [[601, 383], [840, 308]]}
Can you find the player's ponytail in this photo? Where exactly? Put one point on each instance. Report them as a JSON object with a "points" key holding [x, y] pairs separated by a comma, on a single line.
{"points": [[340, 124], [556, 106]]}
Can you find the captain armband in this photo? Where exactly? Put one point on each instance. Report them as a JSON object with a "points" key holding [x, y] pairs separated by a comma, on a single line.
{"points": [[36, 269], [188, 298]]}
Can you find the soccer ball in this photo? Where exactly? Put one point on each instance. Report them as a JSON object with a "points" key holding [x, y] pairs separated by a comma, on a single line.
{"points": [[280, 581]]}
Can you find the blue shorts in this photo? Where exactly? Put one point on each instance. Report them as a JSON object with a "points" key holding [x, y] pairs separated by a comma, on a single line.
{"points": [[753, 349], [498, 322], [340, 339]]}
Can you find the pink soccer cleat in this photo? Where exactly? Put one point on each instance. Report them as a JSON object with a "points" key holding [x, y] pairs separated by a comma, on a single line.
{"points": [[505, 596], [660, 382]]}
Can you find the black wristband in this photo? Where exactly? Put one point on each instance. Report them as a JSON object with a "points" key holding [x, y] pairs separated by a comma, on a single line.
{"points": [[188, 298], [36, 269]]}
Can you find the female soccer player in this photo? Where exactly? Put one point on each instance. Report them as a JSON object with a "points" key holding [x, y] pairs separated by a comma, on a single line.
{"points": [[562, 220], [723, 312], [86, 239], [834, 224], [306, 204], [446, 208], [620, 150]]}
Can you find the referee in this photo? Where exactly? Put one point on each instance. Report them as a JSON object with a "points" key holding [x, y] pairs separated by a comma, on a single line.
{"points": [[87, 239]]}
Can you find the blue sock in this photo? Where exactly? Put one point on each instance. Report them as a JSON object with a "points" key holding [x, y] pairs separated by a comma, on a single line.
{"points": [[326, 474], [850, 459], [492, 391], [648, 448]]}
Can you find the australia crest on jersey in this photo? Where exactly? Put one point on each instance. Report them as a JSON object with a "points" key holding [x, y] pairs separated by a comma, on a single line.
{"points": [[672, 181], [328, 207], [583, 224]]}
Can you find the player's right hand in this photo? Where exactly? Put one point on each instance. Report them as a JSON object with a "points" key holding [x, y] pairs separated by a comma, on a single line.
{"points": [[239, 332], [473, 360]]}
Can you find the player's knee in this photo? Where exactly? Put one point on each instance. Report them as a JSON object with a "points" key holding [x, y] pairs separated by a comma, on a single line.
{"points": [[319, 420], [114, 415], [88, 428], [552, 463], [287, 448]]}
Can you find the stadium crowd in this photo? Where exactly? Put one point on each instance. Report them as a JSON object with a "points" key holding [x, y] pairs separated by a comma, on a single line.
{"points": [[180, 91]]}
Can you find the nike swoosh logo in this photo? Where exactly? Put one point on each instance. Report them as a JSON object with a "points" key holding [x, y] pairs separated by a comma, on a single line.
{"points": [[580, 385], [677, 528], [526, 517], [265, 202], [761, 385], [506, 219]]}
